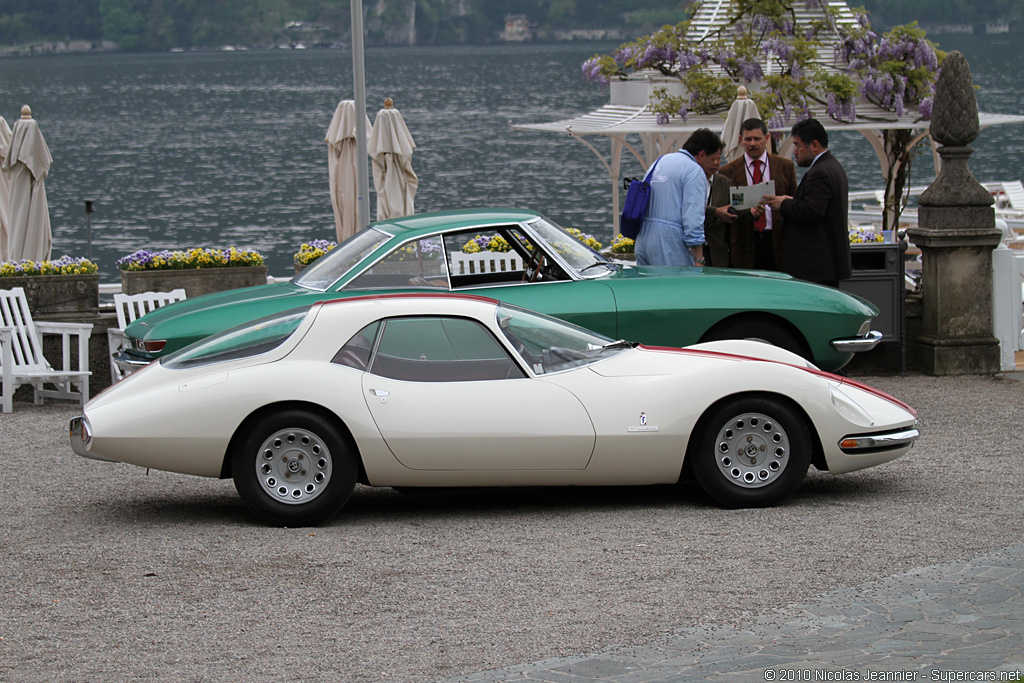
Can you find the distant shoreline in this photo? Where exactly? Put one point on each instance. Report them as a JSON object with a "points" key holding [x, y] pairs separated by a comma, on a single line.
{"points": [[51, 47]]}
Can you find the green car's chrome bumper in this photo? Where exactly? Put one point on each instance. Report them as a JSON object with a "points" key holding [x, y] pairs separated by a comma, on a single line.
{"points": [[129, 364], [866, 342]]}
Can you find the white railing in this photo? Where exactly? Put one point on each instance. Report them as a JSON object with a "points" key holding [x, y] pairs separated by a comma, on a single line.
{"points": [[1008, 304]]}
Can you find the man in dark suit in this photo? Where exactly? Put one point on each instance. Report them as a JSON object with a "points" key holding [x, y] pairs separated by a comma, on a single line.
{"points": [[816, 241], [756, 236], [717, 221]]}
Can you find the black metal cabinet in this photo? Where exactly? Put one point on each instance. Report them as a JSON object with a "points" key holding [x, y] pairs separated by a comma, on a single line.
{"points": [[878, 277]]}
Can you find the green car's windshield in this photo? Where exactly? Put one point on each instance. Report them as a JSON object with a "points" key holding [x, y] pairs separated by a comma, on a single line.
{"points": [[330, 267], [577, 254], [243, 341], [551, 345]]}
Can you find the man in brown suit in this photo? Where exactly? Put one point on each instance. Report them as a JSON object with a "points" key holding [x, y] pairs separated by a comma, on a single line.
{"points": [[756, 236]]}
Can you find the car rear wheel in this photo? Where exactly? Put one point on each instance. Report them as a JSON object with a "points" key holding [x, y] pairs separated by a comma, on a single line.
{"points": [[294, 469], [752, 452], [758, 330]]}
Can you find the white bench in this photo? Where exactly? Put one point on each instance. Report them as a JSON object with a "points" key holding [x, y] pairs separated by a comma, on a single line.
{"points": [[485, 262], [21, 354], [131, 307]]}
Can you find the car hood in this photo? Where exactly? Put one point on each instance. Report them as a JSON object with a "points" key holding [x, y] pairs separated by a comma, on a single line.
{"points": [[653, 360], [219, 311], [630, 272]]}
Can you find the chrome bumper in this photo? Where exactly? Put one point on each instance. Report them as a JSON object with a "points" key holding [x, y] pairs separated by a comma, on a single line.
{"points": [[81, 434], [855, 344], [878, 442], [127, 365]]}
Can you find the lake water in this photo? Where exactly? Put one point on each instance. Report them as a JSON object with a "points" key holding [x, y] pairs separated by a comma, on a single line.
{"points": [[227, 149]]}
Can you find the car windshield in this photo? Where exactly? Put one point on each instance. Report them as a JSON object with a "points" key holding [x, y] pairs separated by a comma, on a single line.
{"points": [[549, 345], [333, 265], [577, 254], [243, 341]]}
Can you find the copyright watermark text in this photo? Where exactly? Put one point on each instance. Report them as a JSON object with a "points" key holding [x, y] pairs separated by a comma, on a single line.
{"points": [[805, 675]]}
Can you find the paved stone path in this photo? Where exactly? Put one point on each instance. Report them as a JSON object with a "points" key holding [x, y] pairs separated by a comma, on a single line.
{"points": [[960, 621]]}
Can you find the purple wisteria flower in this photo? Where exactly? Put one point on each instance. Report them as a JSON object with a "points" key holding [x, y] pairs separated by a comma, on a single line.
{"points": [[655, 55], [689, 59], [841, 110], [925, 108], [624, 55], [761, 23], [592, 71], [780, 47], [750, 70]]}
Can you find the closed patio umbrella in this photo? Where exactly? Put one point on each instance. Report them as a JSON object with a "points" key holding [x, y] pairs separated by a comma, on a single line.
{"points": [[341, 166], [28, 161], [5, 187], [390, 147], [741, 110]]}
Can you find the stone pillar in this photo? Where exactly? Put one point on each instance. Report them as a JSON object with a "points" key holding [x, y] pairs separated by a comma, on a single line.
{"points": [[956, 234]]}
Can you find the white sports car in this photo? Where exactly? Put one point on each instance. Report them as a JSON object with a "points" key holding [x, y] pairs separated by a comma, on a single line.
{"points": [[429, 390]]}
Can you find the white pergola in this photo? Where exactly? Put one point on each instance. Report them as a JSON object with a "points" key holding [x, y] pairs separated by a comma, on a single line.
{"points": [[628, 117]]}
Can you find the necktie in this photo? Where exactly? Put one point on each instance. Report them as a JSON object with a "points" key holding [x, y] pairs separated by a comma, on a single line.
{"points": [[756, 176]]}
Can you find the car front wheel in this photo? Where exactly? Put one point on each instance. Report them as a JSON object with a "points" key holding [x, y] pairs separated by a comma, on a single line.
{"points": [[752, 452], [294, 469], [766, 331]]}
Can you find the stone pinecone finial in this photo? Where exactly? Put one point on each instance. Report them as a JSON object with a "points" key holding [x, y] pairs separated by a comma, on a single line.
{"points": [[955, 114]]}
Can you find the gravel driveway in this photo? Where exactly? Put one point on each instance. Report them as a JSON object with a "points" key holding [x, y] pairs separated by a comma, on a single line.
{"points": [[110, 574]]}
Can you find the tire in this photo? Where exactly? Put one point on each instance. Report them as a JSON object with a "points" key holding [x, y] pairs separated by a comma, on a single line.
{"points": [[294, 469], [759, 330], [751, 452]]}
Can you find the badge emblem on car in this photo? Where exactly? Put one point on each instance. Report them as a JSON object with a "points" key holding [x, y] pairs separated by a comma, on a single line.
{"points": [[644, 427]]}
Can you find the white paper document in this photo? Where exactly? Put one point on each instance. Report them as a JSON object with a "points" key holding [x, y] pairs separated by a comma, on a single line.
{"points": [[749, 196]]}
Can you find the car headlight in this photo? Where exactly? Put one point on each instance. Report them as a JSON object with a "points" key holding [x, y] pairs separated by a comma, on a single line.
{"points": [[849, 408]]}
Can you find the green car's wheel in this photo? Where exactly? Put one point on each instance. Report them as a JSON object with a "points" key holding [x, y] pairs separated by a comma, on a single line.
{"points": [[752, 453], [758, 330], [294, 469]]}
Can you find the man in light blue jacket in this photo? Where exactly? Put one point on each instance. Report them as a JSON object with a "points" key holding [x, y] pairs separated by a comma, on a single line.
{"points": [[673, 231]]}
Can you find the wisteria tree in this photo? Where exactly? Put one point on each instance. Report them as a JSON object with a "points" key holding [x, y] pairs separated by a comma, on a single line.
{"points": [[762, 46]]}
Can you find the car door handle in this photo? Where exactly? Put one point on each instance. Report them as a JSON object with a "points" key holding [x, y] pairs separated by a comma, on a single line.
{"points": [[380, 392]]}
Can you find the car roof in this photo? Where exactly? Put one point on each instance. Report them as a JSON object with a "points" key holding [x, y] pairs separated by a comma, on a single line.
{"points": [[399, 296], [461, 218]]}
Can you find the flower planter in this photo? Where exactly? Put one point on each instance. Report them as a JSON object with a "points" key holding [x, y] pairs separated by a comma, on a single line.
{"points": [[50, 294], [195, 281], [299, 267]]}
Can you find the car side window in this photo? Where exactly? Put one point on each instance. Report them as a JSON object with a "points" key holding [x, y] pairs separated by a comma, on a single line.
{"points": [[356, 352], [419, 263], [441, 349]]}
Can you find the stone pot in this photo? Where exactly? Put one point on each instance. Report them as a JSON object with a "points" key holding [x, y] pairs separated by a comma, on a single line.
{"points": [[195, 281], [56, 294]]}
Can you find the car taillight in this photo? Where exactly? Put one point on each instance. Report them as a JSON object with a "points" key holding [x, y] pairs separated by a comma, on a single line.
{"points": [[150, 346]]}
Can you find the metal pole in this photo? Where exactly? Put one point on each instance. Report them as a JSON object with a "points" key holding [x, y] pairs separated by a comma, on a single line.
{"points": [[359, 85], [88, 226]]}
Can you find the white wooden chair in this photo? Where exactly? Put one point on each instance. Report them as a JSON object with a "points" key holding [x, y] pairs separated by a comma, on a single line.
{"points": [[485, 262], [1014, 192], [21, 354], [131, 307]]}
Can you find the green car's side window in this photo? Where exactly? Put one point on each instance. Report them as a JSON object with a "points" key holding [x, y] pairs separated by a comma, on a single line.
{"points": [[438, 349], [415, 264]]}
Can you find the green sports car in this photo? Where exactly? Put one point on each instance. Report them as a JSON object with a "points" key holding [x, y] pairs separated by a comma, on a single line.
{"points": [[521, 257]]}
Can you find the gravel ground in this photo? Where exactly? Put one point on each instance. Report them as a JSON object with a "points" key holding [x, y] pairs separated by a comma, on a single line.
{"points": [[107, 574]]}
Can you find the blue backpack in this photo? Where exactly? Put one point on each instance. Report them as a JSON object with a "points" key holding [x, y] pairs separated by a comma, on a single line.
{"points": [[634, 209]]}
